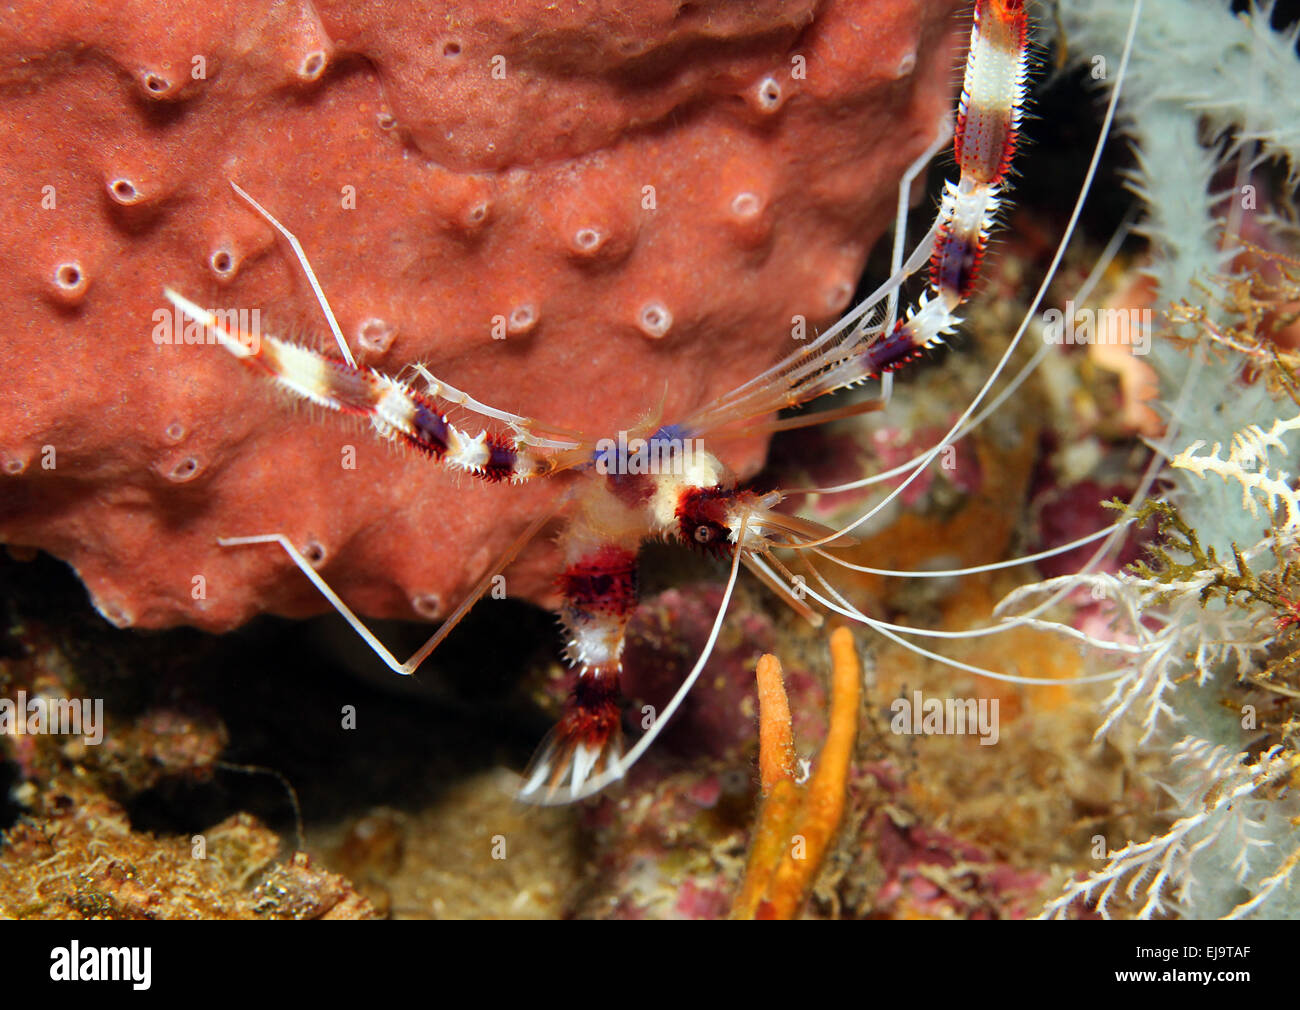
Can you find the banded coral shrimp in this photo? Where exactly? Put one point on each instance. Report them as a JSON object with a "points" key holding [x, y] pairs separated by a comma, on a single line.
{"points": [[693, 499]]}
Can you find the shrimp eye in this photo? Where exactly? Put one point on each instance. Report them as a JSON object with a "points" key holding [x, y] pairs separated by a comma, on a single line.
{"points": [[702, 517]]}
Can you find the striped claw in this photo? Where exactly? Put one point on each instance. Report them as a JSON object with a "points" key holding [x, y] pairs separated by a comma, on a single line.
{"points": [[394, 410], [988, 123], [598, 587], [582, 749]]}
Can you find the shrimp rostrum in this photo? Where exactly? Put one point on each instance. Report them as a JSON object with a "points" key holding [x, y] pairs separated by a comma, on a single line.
{"points": [[660, 482]]}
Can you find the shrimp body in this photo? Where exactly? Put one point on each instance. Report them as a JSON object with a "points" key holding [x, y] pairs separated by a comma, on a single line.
{"points": [[662, 483]]}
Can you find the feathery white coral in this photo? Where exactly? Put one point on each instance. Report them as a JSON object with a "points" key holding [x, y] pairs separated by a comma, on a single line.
{"points": [[1220, 787], [1200, 71], [1247, 464], [1160, 643]]}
